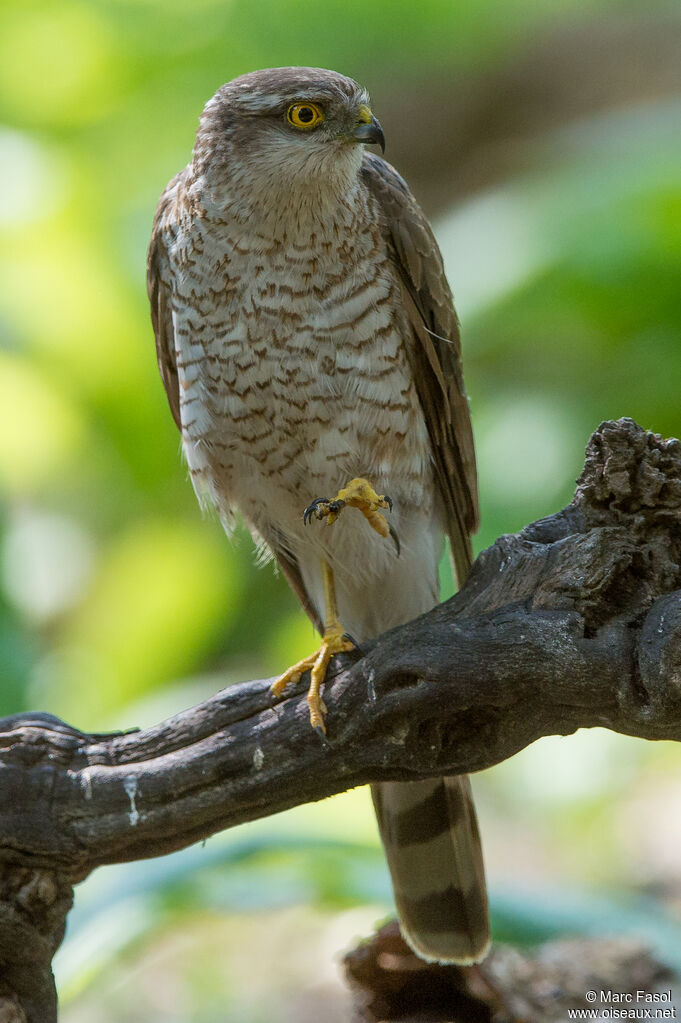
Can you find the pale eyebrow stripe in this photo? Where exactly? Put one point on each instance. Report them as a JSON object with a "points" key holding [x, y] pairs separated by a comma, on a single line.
{"points": [[276, 101], [271, 102]]}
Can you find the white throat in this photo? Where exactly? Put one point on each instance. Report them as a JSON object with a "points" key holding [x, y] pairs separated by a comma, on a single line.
{"points": [[290, 195]]}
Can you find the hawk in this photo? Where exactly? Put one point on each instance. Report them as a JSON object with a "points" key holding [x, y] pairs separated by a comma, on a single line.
{"points": [[310, 352]]}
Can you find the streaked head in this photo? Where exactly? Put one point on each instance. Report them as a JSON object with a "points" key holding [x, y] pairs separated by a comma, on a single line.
{"points": [[291, 122]]}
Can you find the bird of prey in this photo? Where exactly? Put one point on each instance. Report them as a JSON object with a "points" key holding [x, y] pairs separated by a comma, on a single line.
{"points": [[310, 352]]}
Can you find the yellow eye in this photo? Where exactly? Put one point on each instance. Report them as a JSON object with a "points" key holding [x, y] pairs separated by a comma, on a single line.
{"points": [[304, 115]]}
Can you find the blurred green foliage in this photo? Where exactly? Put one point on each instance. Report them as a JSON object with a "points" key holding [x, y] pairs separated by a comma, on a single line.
{"points": [[118, 601]]}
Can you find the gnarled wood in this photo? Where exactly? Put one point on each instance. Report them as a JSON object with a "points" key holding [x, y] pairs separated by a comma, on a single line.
{"points": [[572, 623]]}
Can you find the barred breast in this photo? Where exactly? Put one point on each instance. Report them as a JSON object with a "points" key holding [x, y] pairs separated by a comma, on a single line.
{"points": [[294, 377]]}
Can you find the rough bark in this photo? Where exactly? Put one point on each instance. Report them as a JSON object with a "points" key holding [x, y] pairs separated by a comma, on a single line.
{"points": [[574, 622], [33, 908], [390, 983]]}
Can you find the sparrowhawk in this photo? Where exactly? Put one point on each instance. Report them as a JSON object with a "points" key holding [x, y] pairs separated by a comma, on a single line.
{"points": [[310, 352]]}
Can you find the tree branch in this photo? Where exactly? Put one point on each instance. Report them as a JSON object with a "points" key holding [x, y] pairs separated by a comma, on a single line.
{"points": [[548, 984], [572, 623]]}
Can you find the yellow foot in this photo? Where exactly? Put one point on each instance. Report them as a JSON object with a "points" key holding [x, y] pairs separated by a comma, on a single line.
{"points": [[334, 641], [357, 494]]}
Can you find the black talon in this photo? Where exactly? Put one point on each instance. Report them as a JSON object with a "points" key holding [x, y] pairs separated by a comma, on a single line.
{"points": [[395, 539], [322, 735], [351, 639], [389, 500], [313, 509]]}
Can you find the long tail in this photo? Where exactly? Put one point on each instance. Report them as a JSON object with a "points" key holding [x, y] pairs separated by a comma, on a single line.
{"points": [[430, 834], [429, 828]]}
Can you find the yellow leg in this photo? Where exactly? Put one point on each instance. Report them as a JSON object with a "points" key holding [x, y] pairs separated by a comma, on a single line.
{"points": [[357, 494], [333, 642]]}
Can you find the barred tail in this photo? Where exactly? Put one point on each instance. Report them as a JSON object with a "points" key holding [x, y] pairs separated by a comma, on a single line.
{"points": [[430, 834]]}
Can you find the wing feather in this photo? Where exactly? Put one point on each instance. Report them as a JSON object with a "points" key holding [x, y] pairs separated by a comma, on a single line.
{"points": [[429, 828], [159, 289], [435, 353]]}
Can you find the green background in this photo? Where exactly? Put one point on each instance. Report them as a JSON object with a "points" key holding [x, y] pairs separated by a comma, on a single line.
{"points": [[542, 138]]}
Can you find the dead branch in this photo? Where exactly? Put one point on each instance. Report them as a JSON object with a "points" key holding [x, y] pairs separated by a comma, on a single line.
{"points": [[545, 985], [572, 623]]}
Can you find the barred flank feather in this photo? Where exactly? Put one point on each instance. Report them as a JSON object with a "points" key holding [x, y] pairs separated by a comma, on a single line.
{"points": [[430, 835]]}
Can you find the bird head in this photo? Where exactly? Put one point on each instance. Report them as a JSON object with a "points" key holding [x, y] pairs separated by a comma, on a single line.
{"points": [[286, 125]]}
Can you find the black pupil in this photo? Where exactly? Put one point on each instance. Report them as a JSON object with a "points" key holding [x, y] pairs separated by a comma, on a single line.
{"points": [[306, 114]]}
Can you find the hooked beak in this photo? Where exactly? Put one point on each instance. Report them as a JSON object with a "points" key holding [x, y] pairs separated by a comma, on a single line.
{"points": [[369, 129]]}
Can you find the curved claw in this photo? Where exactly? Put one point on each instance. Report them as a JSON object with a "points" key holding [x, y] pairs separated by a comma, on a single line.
{"points": [[322, 735], [351, 639], [313, 509], [322, 508], [395, 539], [389, 502]]}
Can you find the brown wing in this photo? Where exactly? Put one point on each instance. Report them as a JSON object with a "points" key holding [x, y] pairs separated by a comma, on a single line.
{"points": [[435, 354], [159, 289]]}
